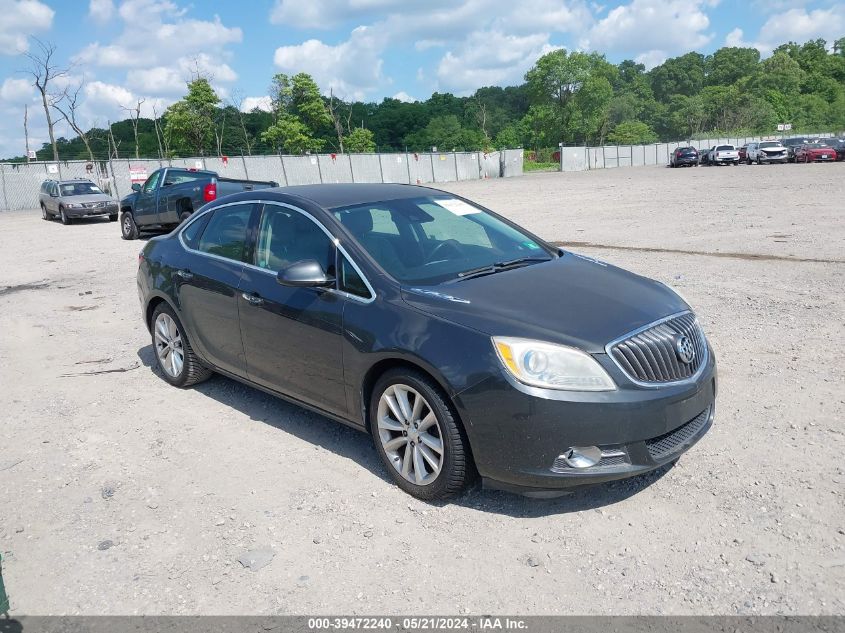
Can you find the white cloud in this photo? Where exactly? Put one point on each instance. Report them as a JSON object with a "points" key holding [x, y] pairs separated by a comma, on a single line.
{"points": [[323, 14], [351, 69], [735, 38], [22, 18], [490, 58], [800, 25], [674, 26], [651, 58], [262, 103], [101, 10], [404, 96], [17, 90]]}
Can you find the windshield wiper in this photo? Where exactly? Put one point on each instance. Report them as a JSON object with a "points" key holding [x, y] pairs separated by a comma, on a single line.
{"points": [[499, 266]]}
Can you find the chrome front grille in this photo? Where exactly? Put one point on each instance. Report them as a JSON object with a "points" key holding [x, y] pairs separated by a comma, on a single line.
{"points": [[653, 354]]}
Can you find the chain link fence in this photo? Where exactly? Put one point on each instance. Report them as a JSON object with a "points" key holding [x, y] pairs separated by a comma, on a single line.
{"points": [[609, 156], [20, 183]]}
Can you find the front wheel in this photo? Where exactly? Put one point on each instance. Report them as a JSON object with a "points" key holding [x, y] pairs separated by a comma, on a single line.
{"points": [[113, 218], [63, 215], [418, 436], [44, 214], [128, 228], [174, 354]]}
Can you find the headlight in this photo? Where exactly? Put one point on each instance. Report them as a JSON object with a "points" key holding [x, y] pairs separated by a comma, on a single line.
{"points": [[551, 366], [72, 205]]}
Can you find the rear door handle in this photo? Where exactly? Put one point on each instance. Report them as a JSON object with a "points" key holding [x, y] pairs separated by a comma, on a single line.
{"points": [[185, 274], [252, 299]]}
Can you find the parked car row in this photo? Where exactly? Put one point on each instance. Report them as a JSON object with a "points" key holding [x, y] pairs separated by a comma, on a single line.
{"points": [[791, 150]]}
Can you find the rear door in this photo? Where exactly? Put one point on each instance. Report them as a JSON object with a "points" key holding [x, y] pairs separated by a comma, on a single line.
{"points": [[292, 336], [207, 286]]}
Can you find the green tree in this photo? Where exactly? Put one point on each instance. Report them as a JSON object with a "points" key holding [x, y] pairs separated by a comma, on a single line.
{"points": [[682, 75], [290, 135], [632, 133], [190, 121], [779, 72], [299, 113], [360, 139], [730, 64]]}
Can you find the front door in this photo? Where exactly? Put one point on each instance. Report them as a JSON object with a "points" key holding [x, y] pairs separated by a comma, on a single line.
{"points": [[146, 204], [208, 288], [292, 336]]}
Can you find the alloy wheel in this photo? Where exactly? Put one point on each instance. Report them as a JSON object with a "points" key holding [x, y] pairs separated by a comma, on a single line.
{"points": [[168, 344], [410, 434]]}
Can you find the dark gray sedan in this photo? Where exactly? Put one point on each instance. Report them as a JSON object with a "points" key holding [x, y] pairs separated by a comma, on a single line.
{"points": [[462, 343]]}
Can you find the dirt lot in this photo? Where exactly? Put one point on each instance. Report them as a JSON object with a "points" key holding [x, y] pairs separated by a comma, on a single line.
{"points": [[120, 494]]}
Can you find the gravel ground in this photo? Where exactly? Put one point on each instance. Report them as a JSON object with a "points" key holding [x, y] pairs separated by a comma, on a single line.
{"points": [[122, 495]]}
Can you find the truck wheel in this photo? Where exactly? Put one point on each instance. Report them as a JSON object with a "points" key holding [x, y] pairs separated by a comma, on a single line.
{"points": [[128, 228], [65, 220], [113, 218], [184, 215]]}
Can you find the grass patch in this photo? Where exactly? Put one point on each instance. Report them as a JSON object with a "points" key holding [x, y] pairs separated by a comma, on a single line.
{"points": [[531, 165]]}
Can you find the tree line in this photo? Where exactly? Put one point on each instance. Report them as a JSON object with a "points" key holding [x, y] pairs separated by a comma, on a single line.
{"points": [[567, 97]]}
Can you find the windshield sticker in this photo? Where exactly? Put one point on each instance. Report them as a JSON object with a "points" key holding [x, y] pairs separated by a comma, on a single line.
{"points": [[532, 245], [590, 259], [458, 207], [439, 295]]}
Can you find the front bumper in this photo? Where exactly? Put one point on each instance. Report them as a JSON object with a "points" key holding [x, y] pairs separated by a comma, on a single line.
{"points": [[778, 158], [517, 437], [91, 212]]}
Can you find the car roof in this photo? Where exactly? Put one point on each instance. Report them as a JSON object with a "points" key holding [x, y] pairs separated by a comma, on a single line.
{"points": [[332, 195]]}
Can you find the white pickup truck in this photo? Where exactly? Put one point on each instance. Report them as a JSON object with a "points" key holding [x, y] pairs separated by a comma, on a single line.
{"points": [[723, 154]]}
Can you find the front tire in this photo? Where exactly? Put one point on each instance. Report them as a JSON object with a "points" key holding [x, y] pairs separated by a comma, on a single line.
{"points": [[113, 218], [174, 355], [128, 228], [44, 214], [63, 215], [418, 436]]}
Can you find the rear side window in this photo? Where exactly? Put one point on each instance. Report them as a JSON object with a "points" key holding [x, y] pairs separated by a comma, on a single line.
{"points": [[225, 233]]}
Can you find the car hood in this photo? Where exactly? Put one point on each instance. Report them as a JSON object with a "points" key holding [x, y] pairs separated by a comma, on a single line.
{"points": [[91, 197], [573, 300]]}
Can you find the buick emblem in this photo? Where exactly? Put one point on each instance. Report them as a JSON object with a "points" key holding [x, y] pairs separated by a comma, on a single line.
{"points": [[685, 349]]}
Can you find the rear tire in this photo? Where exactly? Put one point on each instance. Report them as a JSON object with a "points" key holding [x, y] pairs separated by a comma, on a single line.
{"points": [[408, 440], [175, 357], [128, 228]]}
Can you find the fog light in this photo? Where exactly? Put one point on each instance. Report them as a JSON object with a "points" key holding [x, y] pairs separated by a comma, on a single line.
{"points": [[582, 456]]}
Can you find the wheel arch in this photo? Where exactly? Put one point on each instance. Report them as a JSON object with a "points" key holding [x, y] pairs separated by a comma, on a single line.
{"points": [[152, 303]]}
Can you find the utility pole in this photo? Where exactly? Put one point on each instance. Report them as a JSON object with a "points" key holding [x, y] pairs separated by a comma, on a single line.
{"points": [[26, 129]]}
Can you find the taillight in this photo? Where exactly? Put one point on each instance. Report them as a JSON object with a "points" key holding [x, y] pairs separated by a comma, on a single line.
{"points": [[210, 192], [140, 258]]}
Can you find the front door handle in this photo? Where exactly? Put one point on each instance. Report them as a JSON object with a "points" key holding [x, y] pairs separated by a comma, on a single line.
{"points": [[252, 299], [185, 274]]}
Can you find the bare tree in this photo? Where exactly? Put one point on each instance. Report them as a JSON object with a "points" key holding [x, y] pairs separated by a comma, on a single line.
{"points": [[337, 121], [112, 144], [218, 134], [68, 112], [44, 70], [481, 117], [26, 128], [237, 102], [157, 127], [134, 115]]}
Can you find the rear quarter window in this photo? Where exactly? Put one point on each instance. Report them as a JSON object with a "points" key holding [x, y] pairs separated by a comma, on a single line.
{"points": [[191, 233]]}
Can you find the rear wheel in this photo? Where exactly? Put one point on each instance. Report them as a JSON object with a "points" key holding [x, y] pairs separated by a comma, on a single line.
{"points": [[128, 228], [418, 436], [174, 354]]}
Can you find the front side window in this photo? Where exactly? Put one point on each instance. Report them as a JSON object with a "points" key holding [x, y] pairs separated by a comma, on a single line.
{"points": [[436, 238], [286, 236], [350, 281], [225, 233]]}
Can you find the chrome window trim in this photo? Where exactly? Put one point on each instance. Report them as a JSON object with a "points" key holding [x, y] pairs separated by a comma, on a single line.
{"points": [[334, 240], [659, 385]]}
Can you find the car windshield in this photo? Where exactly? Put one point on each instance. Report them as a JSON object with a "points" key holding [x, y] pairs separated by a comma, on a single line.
{"points": [[428, 240], [725, 148], [815, 145], [79, 189], [766, 144]]}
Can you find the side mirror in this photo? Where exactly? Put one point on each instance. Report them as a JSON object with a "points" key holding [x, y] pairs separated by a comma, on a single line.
{"points": [[306, 273], [136, 186]]}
